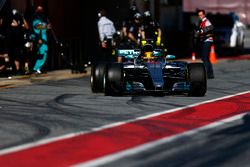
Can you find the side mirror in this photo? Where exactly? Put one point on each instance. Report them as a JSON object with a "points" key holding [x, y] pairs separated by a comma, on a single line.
{"points": [[170, 57], [157, 53]]}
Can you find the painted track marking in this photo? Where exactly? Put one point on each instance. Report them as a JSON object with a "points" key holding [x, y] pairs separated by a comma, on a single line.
{"points": [[115, 138]]}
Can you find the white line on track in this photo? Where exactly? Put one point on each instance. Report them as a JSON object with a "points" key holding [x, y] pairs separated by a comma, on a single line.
{"points": [[144, 147]]}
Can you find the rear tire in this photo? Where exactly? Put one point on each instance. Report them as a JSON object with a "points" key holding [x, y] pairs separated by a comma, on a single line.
{"points": [[113, 80], [197, 78], [97, 76]]}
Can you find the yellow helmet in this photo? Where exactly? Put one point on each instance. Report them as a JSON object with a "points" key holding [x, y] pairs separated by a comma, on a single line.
{"points": [[147, 51]]}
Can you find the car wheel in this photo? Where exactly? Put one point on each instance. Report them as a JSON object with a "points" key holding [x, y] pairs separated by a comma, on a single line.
{"points": [[113, 79], [97, 76], [197, 78]]}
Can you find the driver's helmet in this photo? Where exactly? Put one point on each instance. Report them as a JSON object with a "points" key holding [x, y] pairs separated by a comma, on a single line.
{"points": [[147, 52]]}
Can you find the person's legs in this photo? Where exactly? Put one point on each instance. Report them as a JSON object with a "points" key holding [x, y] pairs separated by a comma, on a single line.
{"points": [[17, 59], [205, 58], [43, 50], [108, 52], [27, 54]]}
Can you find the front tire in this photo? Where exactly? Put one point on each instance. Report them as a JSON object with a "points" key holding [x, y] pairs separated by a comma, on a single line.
{"points": [[197, 78]]}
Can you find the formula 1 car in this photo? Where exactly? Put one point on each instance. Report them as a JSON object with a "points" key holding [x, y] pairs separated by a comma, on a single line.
{"points": [[148, 70]]}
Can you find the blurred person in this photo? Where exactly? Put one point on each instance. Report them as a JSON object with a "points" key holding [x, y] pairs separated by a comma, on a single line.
{"points": [[206, 38], [128, 21], [15, 30], [151, 28], [238, 31], [126, 24], [40, 27], [28, 49], [4, 58], [133, 34], [106, 30], [134, 31]]}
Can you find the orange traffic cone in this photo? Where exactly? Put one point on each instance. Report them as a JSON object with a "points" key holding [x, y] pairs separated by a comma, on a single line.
{"points": [[212, 56], [193, 57]]}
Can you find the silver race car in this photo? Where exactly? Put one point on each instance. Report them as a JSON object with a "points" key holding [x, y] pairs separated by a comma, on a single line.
{"points": [[148, 70]]}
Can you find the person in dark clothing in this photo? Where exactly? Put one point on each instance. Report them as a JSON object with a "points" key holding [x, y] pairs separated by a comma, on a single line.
{"points": [[134, 31], [28, 50], [4, 57], [206, 38], [15, 31], [128, 22], [151, 28]]}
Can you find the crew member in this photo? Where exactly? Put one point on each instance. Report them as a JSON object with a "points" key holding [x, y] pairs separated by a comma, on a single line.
{"points": [[106, 31], [206, 39], [134, 31], [40, 27], [5, 65], [128, 21], [15, 38], [151, 29]]}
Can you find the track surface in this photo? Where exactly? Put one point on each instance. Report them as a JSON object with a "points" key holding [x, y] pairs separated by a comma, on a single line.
{"points": [[45, 123]]}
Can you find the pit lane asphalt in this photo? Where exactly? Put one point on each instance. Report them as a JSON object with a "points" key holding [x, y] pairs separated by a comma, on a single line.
{"points": [[50, 107]]}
